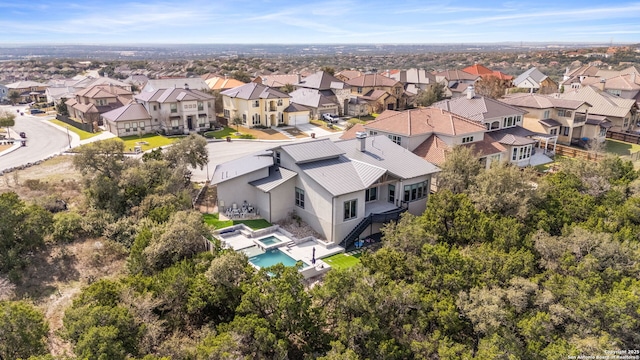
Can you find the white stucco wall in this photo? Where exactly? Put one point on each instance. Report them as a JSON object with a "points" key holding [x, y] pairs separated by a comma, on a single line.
{"points": [[237, 190]]}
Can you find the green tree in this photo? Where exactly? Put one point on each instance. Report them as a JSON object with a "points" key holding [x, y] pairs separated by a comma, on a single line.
{"points": [[7, 119], [241, 75], [287, 88], [191, 151], [183, 237], [22, 230], [67, 227], [432, 95], [23, 330], [237, 121], [329, 70], [459, 170], [491, 86], [14, 97], [61, 107]]}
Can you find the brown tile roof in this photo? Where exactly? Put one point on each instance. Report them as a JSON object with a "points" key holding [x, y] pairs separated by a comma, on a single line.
{"points": [[279, 81], [371, 80], [350, 74], [435, 149], [221, 83], [351, 133], [457, 75], [132, 111], [536, 101], [423, 121]]}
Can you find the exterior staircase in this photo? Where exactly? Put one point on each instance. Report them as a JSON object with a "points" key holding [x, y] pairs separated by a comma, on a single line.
{"points": [[391, 215]]}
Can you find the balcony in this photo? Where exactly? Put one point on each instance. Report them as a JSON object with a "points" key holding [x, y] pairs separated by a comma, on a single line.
{"points": [[579, 118]]}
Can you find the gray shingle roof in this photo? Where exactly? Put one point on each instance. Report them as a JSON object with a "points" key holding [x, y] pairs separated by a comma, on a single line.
{"points": [[242, 166], [549, 122], [277, 176], [309, 151], [129, 112], [479, 108], [533, 73], [255, 91], [310, 97], [321, 81], [515, 136]]}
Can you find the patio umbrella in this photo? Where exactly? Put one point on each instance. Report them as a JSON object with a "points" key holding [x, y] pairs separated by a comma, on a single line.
{"points": [[313, 257]]}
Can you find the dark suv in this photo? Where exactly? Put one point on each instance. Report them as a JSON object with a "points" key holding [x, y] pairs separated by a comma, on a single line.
{"points": [[23, 135]]}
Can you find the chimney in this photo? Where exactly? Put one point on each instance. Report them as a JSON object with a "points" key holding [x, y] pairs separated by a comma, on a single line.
{"points": [[362, 140], [471, 93], [186, 86], [602, 83]]}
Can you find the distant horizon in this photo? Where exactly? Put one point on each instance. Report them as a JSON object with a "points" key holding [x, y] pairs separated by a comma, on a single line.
{"points": [[344, 22]]}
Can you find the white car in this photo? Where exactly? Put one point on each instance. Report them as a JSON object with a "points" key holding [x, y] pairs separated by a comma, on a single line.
{"points": [[330, 118]]}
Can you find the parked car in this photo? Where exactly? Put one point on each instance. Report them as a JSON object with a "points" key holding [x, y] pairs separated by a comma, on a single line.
{"points": [[330, 118], [36, 111], [23, 135]]}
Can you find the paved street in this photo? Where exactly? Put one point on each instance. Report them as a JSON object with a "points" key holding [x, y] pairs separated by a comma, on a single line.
{"points": [[43, 140]]}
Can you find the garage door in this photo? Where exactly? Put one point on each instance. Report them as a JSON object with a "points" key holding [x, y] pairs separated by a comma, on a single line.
{"points": [[296, 119]]}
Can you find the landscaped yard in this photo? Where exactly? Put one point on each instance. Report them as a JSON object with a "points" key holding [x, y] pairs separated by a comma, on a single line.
{"points": [[147, 141], [621, 148], [246, 133], [83, 134], [214, 220], [342, 261]]}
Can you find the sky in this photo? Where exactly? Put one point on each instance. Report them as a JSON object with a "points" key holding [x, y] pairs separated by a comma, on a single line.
{"points": [[89, 22]]}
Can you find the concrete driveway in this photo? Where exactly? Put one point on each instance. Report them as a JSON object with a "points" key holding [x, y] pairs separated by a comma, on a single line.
{"points": [[311, 128]]}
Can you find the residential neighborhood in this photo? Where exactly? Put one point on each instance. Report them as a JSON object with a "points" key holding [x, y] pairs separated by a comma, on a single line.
{"points": [[320, 201]]}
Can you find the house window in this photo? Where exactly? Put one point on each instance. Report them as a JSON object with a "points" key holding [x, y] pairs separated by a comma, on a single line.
{"points": [[174, 108], [200, 106], [546, 114], [625, 124], [359, 90], [244, 119], [372, 133], [518, 119], [141, 124], [227, 114], [175, 124], [350, 209], [564, 113], [395, 139], [508, 121], [127, 127], [467, 139], [256, 103], [553, 131], [495, 125], [155, 107], [415, 192], [392, 194], [603, 131], [277, 157], [279, 102], [521, 152], [614, 92], [371, 194], [300, 198], [256, 119], [565, 130]]}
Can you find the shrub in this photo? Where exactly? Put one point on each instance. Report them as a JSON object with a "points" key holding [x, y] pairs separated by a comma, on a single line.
{"points": [[67, 227]]}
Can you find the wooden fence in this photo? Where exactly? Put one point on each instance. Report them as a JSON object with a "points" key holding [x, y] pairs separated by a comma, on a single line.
{"points": [[622, 136], [576, 153]]}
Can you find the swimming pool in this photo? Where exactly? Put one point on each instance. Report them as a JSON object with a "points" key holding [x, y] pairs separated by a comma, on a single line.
{"points": [[270, 240], [273, 257]]}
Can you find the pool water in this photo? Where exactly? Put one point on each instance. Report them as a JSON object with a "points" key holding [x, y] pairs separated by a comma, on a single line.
{"points": [[270, 240], [273, 257]]}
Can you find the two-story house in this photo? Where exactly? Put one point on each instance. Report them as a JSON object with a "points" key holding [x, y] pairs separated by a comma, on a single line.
{"points": [[535, 81], [431, 133], [257, 105], [380, 92], [322, 93], [623, 113], [456, 81], [88, 104], [30, 91], [343, 190], [502, 122], [554, 116], [414, 80], [179, 110]]}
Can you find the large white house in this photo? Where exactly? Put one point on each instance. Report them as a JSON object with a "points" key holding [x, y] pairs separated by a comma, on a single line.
{"points": [[344, 190]]}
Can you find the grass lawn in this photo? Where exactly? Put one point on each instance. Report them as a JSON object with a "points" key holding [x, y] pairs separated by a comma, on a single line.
{"points": [[342, 261], [621, 148], [152, 141], [214, 220], [83, 134], [221, 134]]}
